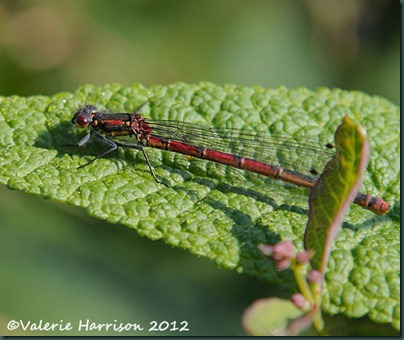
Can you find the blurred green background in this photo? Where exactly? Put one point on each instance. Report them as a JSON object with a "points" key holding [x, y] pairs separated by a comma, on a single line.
{"points": [[56, 263]]}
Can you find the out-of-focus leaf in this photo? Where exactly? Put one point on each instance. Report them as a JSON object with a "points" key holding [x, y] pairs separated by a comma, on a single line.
{"points": [[270, 317]]}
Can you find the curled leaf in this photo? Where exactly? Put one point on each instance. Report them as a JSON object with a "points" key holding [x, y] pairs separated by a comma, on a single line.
{"points": [[335, 190]]}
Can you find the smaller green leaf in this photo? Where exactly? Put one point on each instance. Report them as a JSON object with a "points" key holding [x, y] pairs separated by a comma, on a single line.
{"points": [[335, 190], [270, 316]]}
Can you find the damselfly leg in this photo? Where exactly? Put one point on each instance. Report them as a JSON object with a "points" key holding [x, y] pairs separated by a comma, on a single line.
{"points": [[113, 145]]}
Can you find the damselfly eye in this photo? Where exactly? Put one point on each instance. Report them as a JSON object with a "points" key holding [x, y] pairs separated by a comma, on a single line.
{"points": [[82, 120], [84, 116]]}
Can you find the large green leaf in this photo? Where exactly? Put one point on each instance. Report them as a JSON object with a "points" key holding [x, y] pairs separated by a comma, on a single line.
{"points": [[212, 210]]}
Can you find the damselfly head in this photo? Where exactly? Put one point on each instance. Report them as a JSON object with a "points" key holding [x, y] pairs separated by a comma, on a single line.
{"points": [[84, 116]]}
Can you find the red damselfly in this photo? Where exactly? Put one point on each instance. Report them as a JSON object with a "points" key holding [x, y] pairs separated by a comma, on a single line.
{"points": [[245, 150]]}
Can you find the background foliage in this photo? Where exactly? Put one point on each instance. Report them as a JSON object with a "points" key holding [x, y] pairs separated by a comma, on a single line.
{"points": [[60, 264]]}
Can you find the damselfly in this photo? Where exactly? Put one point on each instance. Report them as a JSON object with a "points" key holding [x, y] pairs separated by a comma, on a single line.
{"points": [[245, 150]]}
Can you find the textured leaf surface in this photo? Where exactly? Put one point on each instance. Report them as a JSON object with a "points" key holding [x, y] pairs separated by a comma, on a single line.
{"points": [[335, 190], [212, 210]]}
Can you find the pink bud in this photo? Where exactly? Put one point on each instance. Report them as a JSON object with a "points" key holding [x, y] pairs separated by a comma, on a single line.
{"points": [[282, 253], [314, 276], [283, 264], [283, 250], [300, 301], [266, 249], [304, 256]]}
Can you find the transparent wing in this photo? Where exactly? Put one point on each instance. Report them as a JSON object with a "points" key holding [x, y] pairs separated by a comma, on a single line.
{"points": [[304, 156]]}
